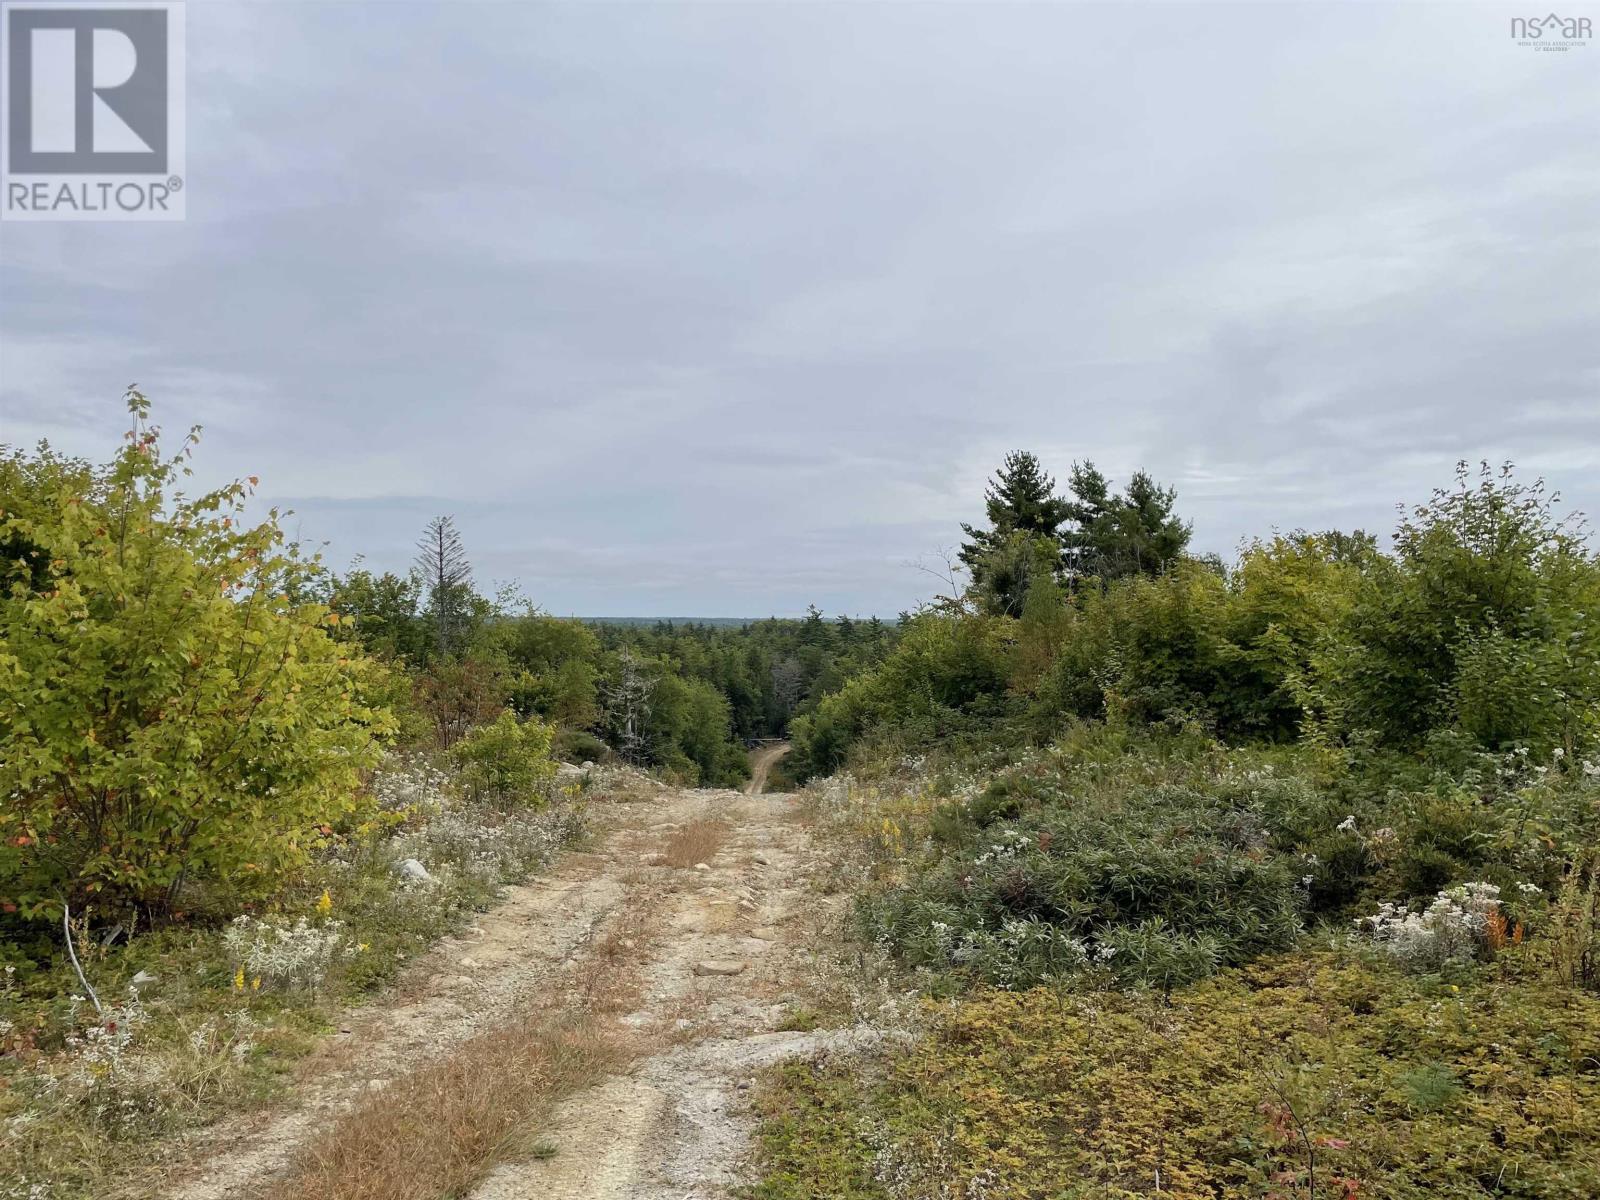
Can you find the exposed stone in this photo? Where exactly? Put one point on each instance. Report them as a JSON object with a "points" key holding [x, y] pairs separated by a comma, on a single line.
{"points": [[410, 868], [719, 966]]}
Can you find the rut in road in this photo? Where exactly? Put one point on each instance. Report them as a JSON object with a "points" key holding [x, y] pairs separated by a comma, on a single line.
{"points": [[674, 1126], [670, 1125]]}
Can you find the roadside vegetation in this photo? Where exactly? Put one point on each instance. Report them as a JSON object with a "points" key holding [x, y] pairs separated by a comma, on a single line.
{"points": [[233, 806], [1274, 879], [684, 701], [242, 791]]}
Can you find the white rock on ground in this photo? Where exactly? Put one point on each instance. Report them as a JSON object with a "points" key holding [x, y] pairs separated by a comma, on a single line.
{"points": [[410, 868]]}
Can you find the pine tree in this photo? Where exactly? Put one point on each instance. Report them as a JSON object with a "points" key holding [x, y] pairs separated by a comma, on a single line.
{"points": [[1135, 533], [1091, 502], [1020, 499]]}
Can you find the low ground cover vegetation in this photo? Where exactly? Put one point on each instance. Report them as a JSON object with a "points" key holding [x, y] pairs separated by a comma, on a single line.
{"points": [[1318, 1073]]}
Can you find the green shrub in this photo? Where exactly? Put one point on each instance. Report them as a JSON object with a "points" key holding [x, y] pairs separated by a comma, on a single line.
{"points": [[1147, 883], [1224, 650], [579, 746], [947, 674], [507, 761], [172, 709], [1484, 621]]}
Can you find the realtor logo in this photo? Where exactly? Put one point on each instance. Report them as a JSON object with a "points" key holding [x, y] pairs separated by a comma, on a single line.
{"points": [[93, 120]]}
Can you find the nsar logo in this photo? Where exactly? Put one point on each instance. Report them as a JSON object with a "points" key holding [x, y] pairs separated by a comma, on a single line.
{"points": [[1551, 32]]}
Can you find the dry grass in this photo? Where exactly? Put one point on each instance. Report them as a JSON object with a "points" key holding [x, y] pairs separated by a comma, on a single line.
{"points": [[610, 979], [437, 1131], [696, 842]]}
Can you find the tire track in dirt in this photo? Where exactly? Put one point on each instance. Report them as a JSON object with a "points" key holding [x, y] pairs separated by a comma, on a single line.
{"points": [[672, 1125], [675, 1125]]}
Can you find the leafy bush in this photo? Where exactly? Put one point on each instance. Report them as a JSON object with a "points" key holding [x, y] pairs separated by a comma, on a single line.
{"points": [[948, 672], [459, 694], [507, 760], [579, 746], [1485, 621], [172, 710], [1225, 650]]}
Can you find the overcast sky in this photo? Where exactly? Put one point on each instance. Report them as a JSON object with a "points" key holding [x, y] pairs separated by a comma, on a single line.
{"points": [[723, 310]]}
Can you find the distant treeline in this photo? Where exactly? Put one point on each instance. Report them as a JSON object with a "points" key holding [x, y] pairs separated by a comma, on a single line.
{"points": [[686, 698], [651, 622]]}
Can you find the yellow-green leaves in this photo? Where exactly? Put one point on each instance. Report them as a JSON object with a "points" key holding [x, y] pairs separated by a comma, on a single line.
{"points": [[171, 705]]}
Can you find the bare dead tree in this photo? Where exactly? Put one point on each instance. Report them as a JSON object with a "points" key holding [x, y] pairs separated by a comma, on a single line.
{"points": [[447, 575], [788, 684], [628, 705], [949, 572]]}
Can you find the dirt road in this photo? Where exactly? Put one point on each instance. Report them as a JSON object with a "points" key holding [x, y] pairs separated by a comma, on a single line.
{"points": [[761, 763], [712, 958]]}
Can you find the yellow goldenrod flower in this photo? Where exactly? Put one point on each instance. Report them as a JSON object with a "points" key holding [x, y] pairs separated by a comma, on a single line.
{"points": [[238, 980], [255, 984], [324, 902]]}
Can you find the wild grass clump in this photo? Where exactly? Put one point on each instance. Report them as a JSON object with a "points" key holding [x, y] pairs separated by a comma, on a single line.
{"points": [[436, 1131], [694, 843]]}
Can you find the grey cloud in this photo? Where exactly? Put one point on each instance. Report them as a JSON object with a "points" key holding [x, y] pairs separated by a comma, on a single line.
{"points": [[725, 309]]}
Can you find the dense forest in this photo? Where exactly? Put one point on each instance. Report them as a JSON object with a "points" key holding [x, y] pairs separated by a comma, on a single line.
{"points": [[683, 698]]}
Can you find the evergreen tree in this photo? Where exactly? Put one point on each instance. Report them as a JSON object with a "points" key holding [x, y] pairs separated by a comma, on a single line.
{"points": [[1024, 514], [1020, 499], [1135, 533], [1087, 510]]}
